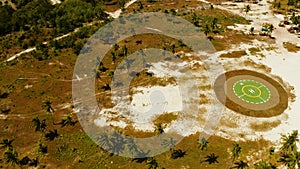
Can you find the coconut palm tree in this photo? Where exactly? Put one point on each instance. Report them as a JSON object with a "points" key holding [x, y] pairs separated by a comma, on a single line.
{"points": [[206, 30], [291, 160], [169, 143], [104, 141], [39, 125], [262, 164], [47, 105], [241, 165], [252, 31], [202, 144], [214, 23], [289, 142], [177, 154], [131, 147], [152, 164], [247, 9], [117, 141], [6, 143], [235, 151], [67, 121], [51, 135], [159, 129], [10, 157], [211, 159]]}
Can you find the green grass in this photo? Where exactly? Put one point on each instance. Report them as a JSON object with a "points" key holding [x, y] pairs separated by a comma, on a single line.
{"points": [[251, 91]]}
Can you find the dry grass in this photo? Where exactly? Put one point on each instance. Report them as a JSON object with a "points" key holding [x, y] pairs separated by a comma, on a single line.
{"points": [[291, 47], [265, 126], [228, 123], [234, 54], [165, 118]]}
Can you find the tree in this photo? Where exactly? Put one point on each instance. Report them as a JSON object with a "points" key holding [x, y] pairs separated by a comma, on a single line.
{"points": [[131, 147], [169, 143], [211, 159], [39, 125], [117, 142], [67, 121], [151, 163], [159, 129], [235, 151], [47, 106], [195, 19], [202, 144], [247, 9], [42, 148], [252, 31], [291, 160], [121, 3], [262, 164], [51, 135], [241, 165], [104, 141], [214, 23], [206, 30], [10, 157], [289, 142], [6, 143], [271, 28], [177, 154]]}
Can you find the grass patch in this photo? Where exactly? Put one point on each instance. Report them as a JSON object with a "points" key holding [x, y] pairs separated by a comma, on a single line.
{"points": [[291, 47], [165, 118], [234, 54], [265, 126]]}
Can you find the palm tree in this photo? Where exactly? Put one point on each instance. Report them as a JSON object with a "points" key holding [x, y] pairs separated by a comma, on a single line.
{"points": [[151, 163], [206, 30], [67, 121], [117, 141], [169, 143], [42, 148], [291, 160], [104, 141], [236, 151], [10, 157], [47, 106], [43, 125], [252, 31], [262, 164], [289, 142], [39, 125], [214, 23], [177, 154], [159, 129], [6, 143], [202, 144], [131, 147], [211, 159], [247, 9], [51, 135], [241, 165]]}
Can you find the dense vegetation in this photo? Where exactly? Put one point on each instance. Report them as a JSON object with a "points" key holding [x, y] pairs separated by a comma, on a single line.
{"points": [[38, 14]]}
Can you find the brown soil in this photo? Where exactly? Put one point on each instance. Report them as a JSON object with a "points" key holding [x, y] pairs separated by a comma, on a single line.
{"points": [[271, 108]]}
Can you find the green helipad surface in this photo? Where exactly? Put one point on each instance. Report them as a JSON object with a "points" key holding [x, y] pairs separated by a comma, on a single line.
{"points": [[251, 91]]}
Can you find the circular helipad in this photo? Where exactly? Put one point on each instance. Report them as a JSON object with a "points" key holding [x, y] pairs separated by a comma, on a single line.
{"points": [[251, 93]]}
